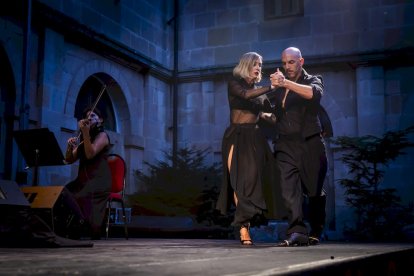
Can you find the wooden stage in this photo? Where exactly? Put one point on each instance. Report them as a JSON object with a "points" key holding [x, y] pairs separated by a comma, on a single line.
{"points": [[162, 256]]}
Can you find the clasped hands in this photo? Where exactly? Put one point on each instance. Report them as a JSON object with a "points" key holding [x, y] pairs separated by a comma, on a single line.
{"points": [[278, 79]]}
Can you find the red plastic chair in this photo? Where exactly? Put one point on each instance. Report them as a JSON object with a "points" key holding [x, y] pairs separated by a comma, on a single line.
{"points": [[118, 169]]}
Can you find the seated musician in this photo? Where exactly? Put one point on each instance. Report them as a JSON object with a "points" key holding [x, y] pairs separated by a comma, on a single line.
{"points": [[92, 186]]}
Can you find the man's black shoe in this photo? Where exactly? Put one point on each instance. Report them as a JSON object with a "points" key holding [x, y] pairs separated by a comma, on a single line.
{"points": [[295, 239]]}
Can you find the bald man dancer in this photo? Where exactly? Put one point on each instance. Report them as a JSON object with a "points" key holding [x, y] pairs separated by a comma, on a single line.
{"points": [[299, 148]]}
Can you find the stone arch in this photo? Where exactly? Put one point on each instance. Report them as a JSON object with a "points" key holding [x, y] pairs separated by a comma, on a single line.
{"points": [[120, 100]]}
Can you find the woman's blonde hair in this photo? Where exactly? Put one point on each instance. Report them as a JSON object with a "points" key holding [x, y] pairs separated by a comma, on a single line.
{"points": [[246, 63]]}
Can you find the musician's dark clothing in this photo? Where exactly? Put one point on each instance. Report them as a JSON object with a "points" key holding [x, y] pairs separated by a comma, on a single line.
{"points": [[92, 186], [21, 226], [251, 152], [300, 155]]}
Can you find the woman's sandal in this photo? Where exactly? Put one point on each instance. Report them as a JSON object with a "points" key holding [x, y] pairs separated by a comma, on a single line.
{"points": [[249, 241]]}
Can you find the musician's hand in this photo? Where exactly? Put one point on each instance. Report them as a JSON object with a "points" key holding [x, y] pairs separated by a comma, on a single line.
{"points": [[73, 142]]}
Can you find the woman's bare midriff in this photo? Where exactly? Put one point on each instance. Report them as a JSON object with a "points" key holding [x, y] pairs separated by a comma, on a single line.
{"points": [[239, 116]]}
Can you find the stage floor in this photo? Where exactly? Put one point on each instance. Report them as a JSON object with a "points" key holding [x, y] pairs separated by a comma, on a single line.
{"points": [[208, 257]]}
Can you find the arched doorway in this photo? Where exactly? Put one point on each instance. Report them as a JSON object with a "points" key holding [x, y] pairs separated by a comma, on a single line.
{"points": [[7, 103]]}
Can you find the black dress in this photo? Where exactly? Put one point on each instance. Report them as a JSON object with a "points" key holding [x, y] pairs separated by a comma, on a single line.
{"points": [[251, 153], [92, 186]]}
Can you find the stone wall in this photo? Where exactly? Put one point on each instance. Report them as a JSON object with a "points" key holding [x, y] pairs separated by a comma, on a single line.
{"points": [[363, 50]]}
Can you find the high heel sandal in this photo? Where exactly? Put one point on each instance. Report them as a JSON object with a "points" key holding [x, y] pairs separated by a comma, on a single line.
{"points": [[249, 241]]}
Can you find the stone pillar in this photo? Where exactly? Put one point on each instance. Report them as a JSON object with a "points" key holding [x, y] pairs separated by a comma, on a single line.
{"points": [[370, 100]]}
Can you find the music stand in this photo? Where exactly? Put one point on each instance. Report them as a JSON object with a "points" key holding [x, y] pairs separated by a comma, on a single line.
{"points": [[39, 148]]}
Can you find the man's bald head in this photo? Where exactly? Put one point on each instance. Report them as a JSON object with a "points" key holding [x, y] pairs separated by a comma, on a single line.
{"points": [[292, 62], [292, 51]]}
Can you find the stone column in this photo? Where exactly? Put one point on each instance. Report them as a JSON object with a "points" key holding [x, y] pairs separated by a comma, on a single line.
{"points": [[370, 100]]}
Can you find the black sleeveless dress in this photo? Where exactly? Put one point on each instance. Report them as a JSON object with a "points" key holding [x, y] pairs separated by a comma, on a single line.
{"points": [[92, 186]]}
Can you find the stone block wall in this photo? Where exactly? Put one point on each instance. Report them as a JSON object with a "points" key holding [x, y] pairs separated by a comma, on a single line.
{"points": [[363, 50]]}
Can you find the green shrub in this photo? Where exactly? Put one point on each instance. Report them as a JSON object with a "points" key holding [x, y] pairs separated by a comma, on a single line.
{"points": [[379, 212], [190, 188]]}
